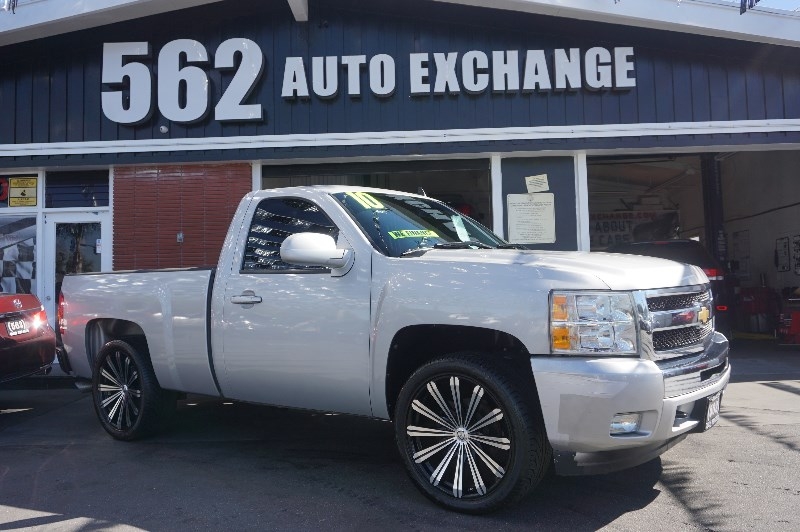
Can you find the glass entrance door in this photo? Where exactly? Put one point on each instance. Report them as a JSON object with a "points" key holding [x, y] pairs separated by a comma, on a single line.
{"points": [[73, 243]]}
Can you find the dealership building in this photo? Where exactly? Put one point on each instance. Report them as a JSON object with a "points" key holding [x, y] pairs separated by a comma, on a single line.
{"points": [[130, 130]]}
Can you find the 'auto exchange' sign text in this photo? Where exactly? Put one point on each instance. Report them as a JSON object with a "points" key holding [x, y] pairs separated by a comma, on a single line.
{"points": [[180, 85]]}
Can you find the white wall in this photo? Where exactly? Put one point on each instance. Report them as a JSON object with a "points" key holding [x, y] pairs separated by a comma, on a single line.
{"points": [[761, 192]]}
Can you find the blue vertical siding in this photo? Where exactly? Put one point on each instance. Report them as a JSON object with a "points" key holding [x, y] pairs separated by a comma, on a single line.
{"points": [[561, 178], [50, 90]]}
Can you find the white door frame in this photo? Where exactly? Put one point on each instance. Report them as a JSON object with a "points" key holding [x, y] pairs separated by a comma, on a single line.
{"points": [[48, 265]]}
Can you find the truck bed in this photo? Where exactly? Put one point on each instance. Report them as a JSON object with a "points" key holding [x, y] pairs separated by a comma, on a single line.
{"points": [[171, 308]]}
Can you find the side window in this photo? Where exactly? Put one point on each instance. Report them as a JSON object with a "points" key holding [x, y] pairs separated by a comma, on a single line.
{"points": [[274, 220]]}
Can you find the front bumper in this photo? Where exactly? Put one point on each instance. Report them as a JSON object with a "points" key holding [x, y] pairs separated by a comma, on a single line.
{"points": [[580, 396]]}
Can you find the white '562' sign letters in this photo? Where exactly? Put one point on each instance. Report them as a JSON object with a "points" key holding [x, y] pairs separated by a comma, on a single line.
{"points": [[183, 91]]}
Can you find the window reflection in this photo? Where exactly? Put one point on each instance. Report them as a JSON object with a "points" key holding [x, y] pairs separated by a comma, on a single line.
{"points": [[274, 220], [18, 252], [76, 189], [76, 249]]}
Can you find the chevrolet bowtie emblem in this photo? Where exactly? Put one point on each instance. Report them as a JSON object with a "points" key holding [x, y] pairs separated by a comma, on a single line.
{"points": [[704, 315]]}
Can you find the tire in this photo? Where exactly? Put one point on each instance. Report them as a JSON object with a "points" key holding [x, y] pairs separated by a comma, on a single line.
{"points": [[470, 439], [127, 398]]}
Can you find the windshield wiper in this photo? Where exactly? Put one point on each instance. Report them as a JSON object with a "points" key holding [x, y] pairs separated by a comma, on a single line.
{"points": [[417, 250], [511, 246], [466, 244]]}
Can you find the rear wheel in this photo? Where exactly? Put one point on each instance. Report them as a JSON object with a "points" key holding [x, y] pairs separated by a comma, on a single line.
{"points": [[127, 398], [468, 437]]}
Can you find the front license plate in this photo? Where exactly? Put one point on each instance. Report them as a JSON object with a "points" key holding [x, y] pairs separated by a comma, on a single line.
{"points": [[712, 409], [16, 327]]}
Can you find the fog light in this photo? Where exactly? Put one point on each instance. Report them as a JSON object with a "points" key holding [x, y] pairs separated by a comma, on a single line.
{"points": [[625, 423]]}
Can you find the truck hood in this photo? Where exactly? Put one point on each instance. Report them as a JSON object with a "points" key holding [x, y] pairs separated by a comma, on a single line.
{"points": [[616, 271]]}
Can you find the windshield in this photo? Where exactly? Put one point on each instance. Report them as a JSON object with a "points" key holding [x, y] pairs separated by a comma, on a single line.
{"points": [[399, 225]]}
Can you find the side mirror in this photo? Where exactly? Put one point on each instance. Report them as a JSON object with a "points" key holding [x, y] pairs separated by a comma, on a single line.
{"points": [[316, 249]]}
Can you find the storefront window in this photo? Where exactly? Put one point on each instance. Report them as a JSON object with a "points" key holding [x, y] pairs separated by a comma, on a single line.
{"points": [[76, 189], [463, 185], [644, 198], [18, 252]]}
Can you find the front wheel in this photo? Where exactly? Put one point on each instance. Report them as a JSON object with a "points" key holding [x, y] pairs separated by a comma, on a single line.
{"points": [[470, 440], [127, 398]]}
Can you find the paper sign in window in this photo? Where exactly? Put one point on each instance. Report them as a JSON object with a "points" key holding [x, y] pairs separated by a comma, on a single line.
{"points": [[531, 218], [537, 183]]}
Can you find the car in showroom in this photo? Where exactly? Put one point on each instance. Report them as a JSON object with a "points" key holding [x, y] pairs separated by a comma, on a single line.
{"points": [[27, 342], [723, 282]]}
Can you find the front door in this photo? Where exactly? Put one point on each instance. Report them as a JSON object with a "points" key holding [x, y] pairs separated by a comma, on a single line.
{"points": [[294, 336], [74, 242]]}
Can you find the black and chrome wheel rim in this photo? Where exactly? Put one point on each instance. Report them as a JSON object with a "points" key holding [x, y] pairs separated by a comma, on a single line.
{"points": [[459, 437], [119, 389]]}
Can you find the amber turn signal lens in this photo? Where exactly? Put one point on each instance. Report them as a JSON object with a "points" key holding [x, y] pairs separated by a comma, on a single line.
{"points": [[559, 310], [560, 337]]}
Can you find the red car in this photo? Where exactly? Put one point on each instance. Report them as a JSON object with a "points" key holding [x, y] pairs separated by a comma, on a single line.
{"points": [[27, 342]]}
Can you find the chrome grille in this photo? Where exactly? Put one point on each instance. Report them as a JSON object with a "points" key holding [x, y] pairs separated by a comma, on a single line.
{"points": [[677, 333], [675, 302], [684, 337], [676, 321]]}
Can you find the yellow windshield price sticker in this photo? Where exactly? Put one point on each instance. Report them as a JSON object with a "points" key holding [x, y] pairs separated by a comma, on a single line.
{"points": [[413, 233], [366, 200]]}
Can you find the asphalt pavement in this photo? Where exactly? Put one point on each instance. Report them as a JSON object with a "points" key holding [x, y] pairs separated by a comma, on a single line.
{"points": [[234, 466]]}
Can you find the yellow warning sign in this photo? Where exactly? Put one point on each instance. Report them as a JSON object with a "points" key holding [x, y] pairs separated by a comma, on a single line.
{"points": [[22, 182], [22, 192], [22, 202]]}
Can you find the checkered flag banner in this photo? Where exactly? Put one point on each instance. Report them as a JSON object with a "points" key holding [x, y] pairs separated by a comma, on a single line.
{"points": [[17, 253]]}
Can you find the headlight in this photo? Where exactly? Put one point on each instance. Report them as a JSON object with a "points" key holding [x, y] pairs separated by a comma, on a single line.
{"points": [[585, 323]]}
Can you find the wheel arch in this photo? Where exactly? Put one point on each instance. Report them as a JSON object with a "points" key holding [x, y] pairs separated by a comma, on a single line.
{"points": [[103, 330], [415, 345]]}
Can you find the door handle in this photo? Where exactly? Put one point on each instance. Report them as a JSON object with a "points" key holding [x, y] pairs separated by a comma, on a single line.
{"points": [[246, 299]]}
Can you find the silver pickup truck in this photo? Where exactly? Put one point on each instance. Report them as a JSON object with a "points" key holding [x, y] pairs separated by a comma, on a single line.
{"points": [[495, 363]]}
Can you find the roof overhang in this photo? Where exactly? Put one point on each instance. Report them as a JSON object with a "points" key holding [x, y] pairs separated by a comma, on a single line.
{"points": [[715, 18], [37, 20]]}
